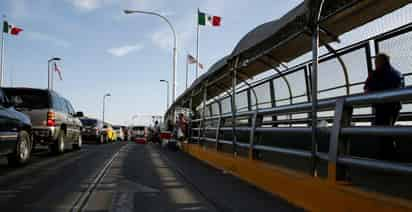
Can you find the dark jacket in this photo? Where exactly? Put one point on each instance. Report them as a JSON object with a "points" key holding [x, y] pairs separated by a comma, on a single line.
{"points": [[386, 79]]}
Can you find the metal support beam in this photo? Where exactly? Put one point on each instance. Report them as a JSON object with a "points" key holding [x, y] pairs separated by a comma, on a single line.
{"points": [[342, 63], [282, 76], [314, 22], [203, 124], [191, 116], [343, 115], [329, 34], [334, 52], [234, 109], [256, 121], [277, 61], [314, 93], [250, 88], [220, 123]]}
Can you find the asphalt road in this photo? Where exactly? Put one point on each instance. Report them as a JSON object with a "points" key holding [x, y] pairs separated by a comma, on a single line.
{"points": [[126, 177]]}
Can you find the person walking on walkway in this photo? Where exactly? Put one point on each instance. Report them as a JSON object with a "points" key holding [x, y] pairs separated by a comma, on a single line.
{"points": [[182, 127], [384, 78]]}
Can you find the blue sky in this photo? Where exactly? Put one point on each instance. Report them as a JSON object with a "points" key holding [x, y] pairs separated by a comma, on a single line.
{"points": [[104, 50]]}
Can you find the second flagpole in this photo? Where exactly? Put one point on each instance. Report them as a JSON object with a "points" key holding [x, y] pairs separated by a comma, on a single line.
{"points": [[187, 68], [197, 43], [2, 54]]}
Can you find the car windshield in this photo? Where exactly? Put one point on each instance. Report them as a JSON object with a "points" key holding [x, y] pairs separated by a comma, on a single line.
{"points": [[116, 127], [28, 99], [89, 122]]}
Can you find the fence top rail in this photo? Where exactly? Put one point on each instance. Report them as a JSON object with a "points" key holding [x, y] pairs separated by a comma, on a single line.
{"points": [[404, 94]]}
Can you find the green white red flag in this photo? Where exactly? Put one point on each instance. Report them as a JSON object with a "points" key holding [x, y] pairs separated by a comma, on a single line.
{"points": [[11, 29], [205, 19]]}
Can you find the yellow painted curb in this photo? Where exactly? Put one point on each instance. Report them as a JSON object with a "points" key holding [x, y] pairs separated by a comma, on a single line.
{"points": [[305, 191]]}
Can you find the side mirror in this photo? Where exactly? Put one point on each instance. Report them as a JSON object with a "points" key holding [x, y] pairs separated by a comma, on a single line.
{"points": [[79, 114]]}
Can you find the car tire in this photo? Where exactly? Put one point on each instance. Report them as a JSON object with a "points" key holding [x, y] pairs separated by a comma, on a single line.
{"points": [[23, 151], [78, 145], [58, 146]]}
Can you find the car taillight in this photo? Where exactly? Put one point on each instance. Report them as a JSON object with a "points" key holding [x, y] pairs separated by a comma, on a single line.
{"points": [[51, 119]]}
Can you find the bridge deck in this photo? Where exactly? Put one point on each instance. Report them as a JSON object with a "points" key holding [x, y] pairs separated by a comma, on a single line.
{"points": [[127, 177]]}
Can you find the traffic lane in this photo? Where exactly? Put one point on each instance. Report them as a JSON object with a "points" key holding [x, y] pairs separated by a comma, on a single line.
{"points": [[41, 157], [55, 185], [139, 179], [225, 191]]}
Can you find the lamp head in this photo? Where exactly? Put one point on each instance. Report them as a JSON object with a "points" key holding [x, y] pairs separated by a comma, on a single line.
{"points": [[128, 11], [55, 59]]}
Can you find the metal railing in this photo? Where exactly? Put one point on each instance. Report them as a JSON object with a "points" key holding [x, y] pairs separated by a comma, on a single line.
{"points": [[338, 157]]}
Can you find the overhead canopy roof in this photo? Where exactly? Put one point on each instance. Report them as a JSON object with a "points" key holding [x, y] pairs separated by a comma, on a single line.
{"points": [[288, 37]]}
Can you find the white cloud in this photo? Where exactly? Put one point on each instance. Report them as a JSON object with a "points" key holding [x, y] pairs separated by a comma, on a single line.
{"points": [[38, 36], [124, 50], [89, 5]]}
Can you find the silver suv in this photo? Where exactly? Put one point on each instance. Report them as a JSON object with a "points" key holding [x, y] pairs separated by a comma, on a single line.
{"points": [[54, 121]]}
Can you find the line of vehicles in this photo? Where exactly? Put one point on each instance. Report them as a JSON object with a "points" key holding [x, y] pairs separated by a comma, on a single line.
{"points": [[30, 117], [97, 131]]}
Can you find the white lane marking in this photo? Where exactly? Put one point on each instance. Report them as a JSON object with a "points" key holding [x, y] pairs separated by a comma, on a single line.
{"points": [[82, 201], [127, 186]]}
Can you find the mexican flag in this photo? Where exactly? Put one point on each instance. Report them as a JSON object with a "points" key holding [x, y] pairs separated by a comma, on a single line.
{"points": [[209, 20], [11, 29]]}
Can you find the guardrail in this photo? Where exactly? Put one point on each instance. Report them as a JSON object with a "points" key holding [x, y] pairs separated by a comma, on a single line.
{"points": [[338, 157]]}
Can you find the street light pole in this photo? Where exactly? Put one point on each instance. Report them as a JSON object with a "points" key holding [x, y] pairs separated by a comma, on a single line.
{"points": [[174, 45], [50, 73], [167, 95], [104, 100]]}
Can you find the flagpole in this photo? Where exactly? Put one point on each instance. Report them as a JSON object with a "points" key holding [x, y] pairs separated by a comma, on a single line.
{"points": [[187, 68], [2, 54], [51, 77], [197, 44], [50, 72]]}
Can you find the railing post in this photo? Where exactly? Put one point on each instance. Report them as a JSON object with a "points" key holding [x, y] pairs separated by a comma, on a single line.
{"points": [[191, 118], [273, 100], [203, 122], [234, 108], [219, 124], [199, 131], [256, 121], [337, 146]]}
